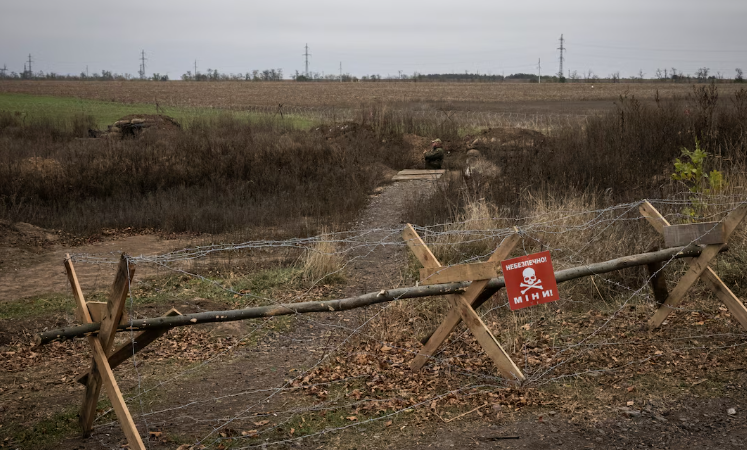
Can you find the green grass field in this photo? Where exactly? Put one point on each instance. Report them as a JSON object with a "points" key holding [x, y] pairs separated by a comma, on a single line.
{"points": [[106, 113]]}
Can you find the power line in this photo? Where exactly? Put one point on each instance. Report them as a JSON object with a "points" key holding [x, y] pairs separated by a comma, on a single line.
{"points": [[562, 49]]}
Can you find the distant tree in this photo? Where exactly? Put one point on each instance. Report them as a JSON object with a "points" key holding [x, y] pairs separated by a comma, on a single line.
{"points": [[615, 77], [702, 74], [659, 74], [740, 76], [573, 75], [641, 75]]}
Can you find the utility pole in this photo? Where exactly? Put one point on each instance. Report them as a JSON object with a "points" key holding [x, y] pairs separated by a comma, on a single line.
{"points": [[562, 49], [340, 71], [195, 74], [539, 70], [86, 70], [306, 54], [142, 64]]}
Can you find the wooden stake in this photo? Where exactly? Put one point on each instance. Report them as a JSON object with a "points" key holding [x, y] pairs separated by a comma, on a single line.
{"points": [[456, 314], [699, 268], [101, 372]]}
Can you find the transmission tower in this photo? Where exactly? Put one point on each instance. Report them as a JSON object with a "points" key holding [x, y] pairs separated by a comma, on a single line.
{"points": [[539, 71], [340, 71], [31, 72], [562, 49], [307, 54], [195, 74], [142, 64], [3, 70]]}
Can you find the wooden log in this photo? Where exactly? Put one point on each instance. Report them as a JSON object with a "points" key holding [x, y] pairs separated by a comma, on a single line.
{"points": [[369, 299]]}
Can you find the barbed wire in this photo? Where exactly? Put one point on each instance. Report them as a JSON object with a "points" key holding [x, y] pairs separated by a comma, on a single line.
{"points": [[357, 245]]}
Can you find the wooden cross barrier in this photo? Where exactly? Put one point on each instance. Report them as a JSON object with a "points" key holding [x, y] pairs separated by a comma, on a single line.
{"points": [[462, 304], [110, 315], [715, 236]]}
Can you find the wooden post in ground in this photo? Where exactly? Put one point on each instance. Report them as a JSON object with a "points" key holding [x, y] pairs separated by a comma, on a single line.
{"points": [[463, 306], [101, 373], [699, 268]]}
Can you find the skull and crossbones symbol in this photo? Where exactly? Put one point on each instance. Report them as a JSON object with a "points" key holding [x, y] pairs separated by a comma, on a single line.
{"points": [[530, 280]]}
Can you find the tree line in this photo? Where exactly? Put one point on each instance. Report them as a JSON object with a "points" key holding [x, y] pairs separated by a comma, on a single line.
{"points": [[702, 75]]}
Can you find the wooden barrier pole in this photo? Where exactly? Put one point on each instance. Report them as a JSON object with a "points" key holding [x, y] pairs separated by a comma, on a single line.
{"points": [[371, 298]]}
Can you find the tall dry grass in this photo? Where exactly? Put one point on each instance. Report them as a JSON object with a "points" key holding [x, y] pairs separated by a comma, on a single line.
{"points": [[322, 262], [217, 175]]}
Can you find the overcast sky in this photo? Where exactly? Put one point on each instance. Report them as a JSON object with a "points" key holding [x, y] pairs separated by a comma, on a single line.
{"points": [[383, 36]]}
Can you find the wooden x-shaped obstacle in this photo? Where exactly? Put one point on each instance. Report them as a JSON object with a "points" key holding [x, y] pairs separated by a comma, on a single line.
{"points": [[110, 314], [462, 304], [715, 235]]}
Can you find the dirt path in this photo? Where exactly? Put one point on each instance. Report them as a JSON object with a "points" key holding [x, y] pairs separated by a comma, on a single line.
{"points": [[235, 390], [29, 271]]}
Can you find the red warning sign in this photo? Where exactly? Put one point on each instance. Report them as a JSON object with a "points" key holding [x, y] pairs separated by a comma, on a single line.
{"points": [[530, 280]]}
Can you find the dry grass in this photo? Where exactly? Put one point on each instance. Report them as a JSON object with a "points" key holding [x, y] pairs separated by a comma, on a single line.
{"points": [[322, 262]]}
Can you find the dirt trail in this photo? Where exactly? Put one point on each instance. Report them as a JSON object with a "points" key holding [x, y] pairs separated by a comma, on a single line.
{"points": [[29, 272]]}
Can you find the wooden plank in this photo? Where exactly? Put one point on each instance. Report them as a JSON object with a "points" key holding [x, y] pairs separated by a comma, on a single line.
{"points": [[415, 177], [115, 396], [487, 341], [112, 316], [727, 297], [454, 316], [418, 247], [100, 365], [128, 349], [705, 233], [697, 265], [653, 216], [88, 410], [461, 272], [98, 311], [115, 304], [420, 171]]}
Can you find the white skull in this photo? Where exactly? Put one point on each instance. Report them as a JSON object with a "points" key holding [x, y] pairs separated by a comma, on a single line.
{"points": [[529, 276]]}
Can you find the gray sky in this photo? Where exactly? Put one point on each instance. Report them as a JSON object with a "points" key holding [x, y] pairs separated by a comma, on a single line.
{"points": [[383, 36]]}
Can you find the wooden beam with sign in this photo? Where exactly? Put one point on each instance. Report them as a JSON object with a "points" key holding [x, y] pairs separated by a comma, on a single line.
{"points": [[698, 267], [462, 304]]}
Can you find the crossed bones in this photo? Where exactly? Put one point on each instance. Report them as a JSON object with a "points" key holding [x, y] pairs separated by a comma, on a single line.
{"points": [[536, 285]]}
